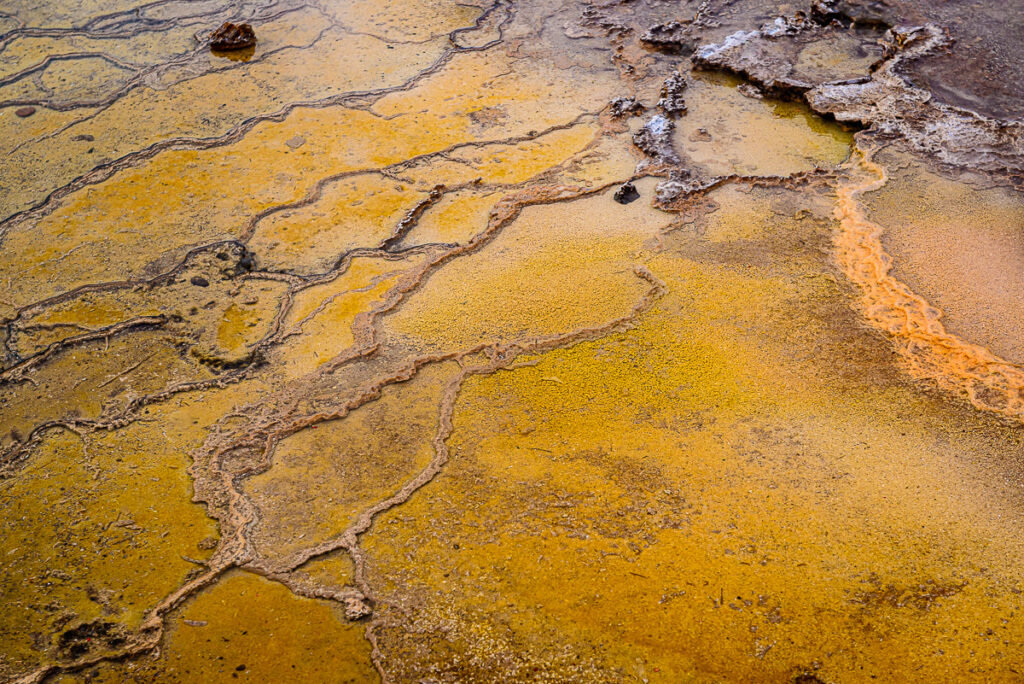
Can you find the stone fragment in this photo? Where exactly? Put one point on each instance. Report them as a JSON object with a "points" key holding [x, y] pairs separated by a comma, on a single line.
{"points": [[24, 111], [655, 140], [826, 11], [701, 135], [626, 194], [750, 90], [597, 18], [624, 106], [670, 37], [786, 26], [680, 186], [232, 37], [356, 608]]}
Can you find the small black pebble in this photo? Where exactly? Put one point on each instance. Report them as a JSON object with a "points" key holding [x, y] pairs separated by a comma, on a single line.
{"points": [[455, 546], [240, 668], [200, 281], [246, 263], [626, 194]]}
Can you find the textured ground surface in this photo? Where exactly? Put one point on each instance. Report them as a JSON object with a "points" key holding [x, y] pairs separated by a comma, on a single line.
{"points": [[347, 357]]}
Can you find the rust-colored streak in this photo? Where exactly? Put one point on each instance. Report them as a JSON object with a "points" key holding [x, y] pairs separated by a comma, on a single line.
{"points": [[926, 347]]}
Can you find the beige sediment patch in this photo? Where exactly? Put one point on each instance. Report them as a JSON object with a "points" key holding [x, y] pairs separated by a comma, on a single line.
{"points": [[726, 132], [927, 348], [404, 22], [366, 210], [738, 487], [247, 627], [343, 467], [119, 371], [319, 327], [218, 101], [845, 55], [565, 265], [141, 212], [955, 239], [96, 530], [361, 211]]}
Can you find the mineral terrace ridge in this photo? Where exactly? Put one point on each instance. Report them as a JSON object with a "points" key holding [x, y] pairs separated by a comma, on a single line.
{"points": [[629, 341]]}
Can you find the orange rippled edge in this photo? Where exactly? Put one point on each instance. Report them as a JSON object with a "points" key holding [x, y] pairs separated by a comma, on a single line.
{"points": [[928, 350]]}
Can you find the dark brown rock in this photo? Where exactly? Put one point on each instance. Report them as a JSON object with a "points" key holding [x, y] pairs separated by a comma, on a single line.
{"points": [[232, 37], [25, 111], [626, 194]]}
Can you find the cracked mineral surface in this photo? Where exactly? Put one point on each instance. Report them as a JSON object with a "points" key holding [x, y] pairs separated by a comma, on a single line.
{"points": [[492, 341]]}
